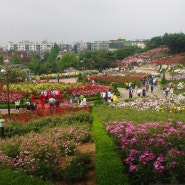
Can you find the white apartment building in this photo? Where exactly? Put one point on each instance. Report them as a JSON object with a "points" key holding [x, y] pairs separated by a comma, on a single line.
{"points": [[100, 45], [139, 43], [30, 46]]}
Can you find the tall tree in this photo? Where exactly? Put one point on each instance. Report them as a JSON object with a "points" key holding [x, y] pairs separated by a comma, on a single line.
{"points": [[68, 60], [175, 42], [155, 42]]}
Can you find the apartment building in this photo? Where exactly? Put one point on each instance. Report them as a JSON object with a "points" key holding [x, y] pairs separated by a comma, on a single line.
{"points": [[109, 45], [139, 43], [30, 46], [100, 45]]}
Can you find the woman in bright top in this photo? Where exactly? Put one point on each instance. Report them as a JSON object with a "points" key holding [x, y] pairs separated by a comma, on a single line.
{"points": [[115, 98]]}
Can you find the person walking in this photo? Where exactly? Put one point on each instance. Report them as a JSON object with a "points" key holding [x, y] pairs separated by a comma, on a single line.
{"points": [[58, 78], [130, 92], [17, 104]]}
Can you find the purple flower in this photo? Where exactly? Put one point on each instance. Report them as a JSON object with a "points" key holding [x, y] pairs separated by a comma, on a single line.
{"points": [[158, 164], [133, 152], [129, 160], [173, 164], [133, 168], [146, 157]]}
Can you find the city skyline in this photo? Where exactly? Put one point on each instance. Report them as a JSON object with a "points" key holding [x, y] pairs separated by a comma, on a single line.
{"points": [[71, 21]]}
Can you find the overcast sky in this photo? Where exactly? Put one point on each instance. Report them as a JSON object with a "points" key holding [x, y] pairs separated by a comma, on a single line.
{"points": [[71, 21]]}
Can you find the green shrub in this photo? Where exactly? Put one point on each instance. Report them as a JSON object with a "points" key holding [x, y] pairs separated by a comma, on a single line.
{"points": [[8, 177], [163, 80], [77, 168], [10, 149]]}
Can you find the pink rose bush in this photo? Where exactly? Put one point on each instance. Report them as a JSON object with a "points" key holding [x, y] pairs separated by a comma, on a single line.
{"points": [[152, 152]]}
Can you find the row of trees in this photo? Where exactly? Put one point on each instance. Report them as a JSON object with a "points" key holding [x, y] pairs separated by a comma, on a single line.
{"points": [[99, 59], [175, 42]]}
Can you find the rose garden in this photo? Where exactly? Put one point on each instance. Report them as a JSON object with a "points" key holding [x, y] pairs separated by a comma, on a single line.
{"points": [[137, 140]]}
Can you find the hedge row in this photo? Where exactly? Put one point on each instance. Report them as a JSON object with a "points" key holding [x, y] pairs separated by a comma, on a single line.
{"points": [[109, 167], [8, 177]]}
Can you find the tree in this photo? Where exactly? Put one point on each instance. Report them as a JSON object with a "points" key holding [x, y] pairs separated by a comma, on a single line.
{"points": [[68, 60], [15, 59], [125, 52], [1, 59], [175, 42], [155, 42], [75, 49]]}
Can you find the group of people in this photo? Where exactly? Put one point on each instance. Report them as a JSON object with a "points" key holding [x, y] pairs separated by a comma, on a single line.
{"points": [[53, 97], [30, 105], [148, 84], [109, 96]]}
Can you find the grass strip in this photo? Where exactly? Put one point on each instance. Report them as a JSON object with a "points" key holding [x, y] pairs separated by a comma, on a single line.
{"points": [[9, 177], [109, 167]]}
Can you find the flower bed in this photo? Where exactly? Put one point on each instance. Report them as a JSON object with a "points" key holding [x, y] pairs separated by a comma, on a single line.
{"points": [[12, 96], [152, 152], [154, 104], [120, 79], [29, 116], [40, 154]]}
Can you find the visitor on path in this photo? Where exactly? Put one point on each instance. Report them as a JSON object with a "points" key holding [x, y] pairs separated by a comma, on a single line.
{"points": [[47, 78], [130, 92], [109, 96], [81, 98], [152, 88], [139, 91], [167, 91], [38, 79], [144, 92], [57, 103], [58, 78], [147, 86], [115, 98], [17, 104], [70, 101], [84, 102], [51, 102]]}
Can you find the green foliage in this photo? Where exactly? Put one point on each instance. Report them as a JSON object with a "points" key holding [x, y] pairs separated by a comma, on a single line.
{"points": [[10, 149], [175, 42], [115, 89], [68, 60], [155, 42], [80, 77], [8, 177], [163, 80], [109, 168], [78, 167], [126, 51]]}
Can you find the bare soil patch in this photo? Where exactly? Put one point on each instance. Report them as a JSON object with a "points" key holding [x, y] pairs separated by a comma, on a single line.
{"points": [[89, 178]]}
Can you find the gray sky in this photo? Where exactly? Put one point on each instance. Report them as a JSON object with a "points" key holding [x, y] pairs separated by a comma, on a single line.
{"points": [[70, 21]]}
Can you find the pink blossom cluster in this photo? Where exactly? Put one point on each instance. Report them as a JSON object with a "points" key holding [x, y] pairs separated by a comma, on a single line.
{"points": [[152, 148], [12, 96]]}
